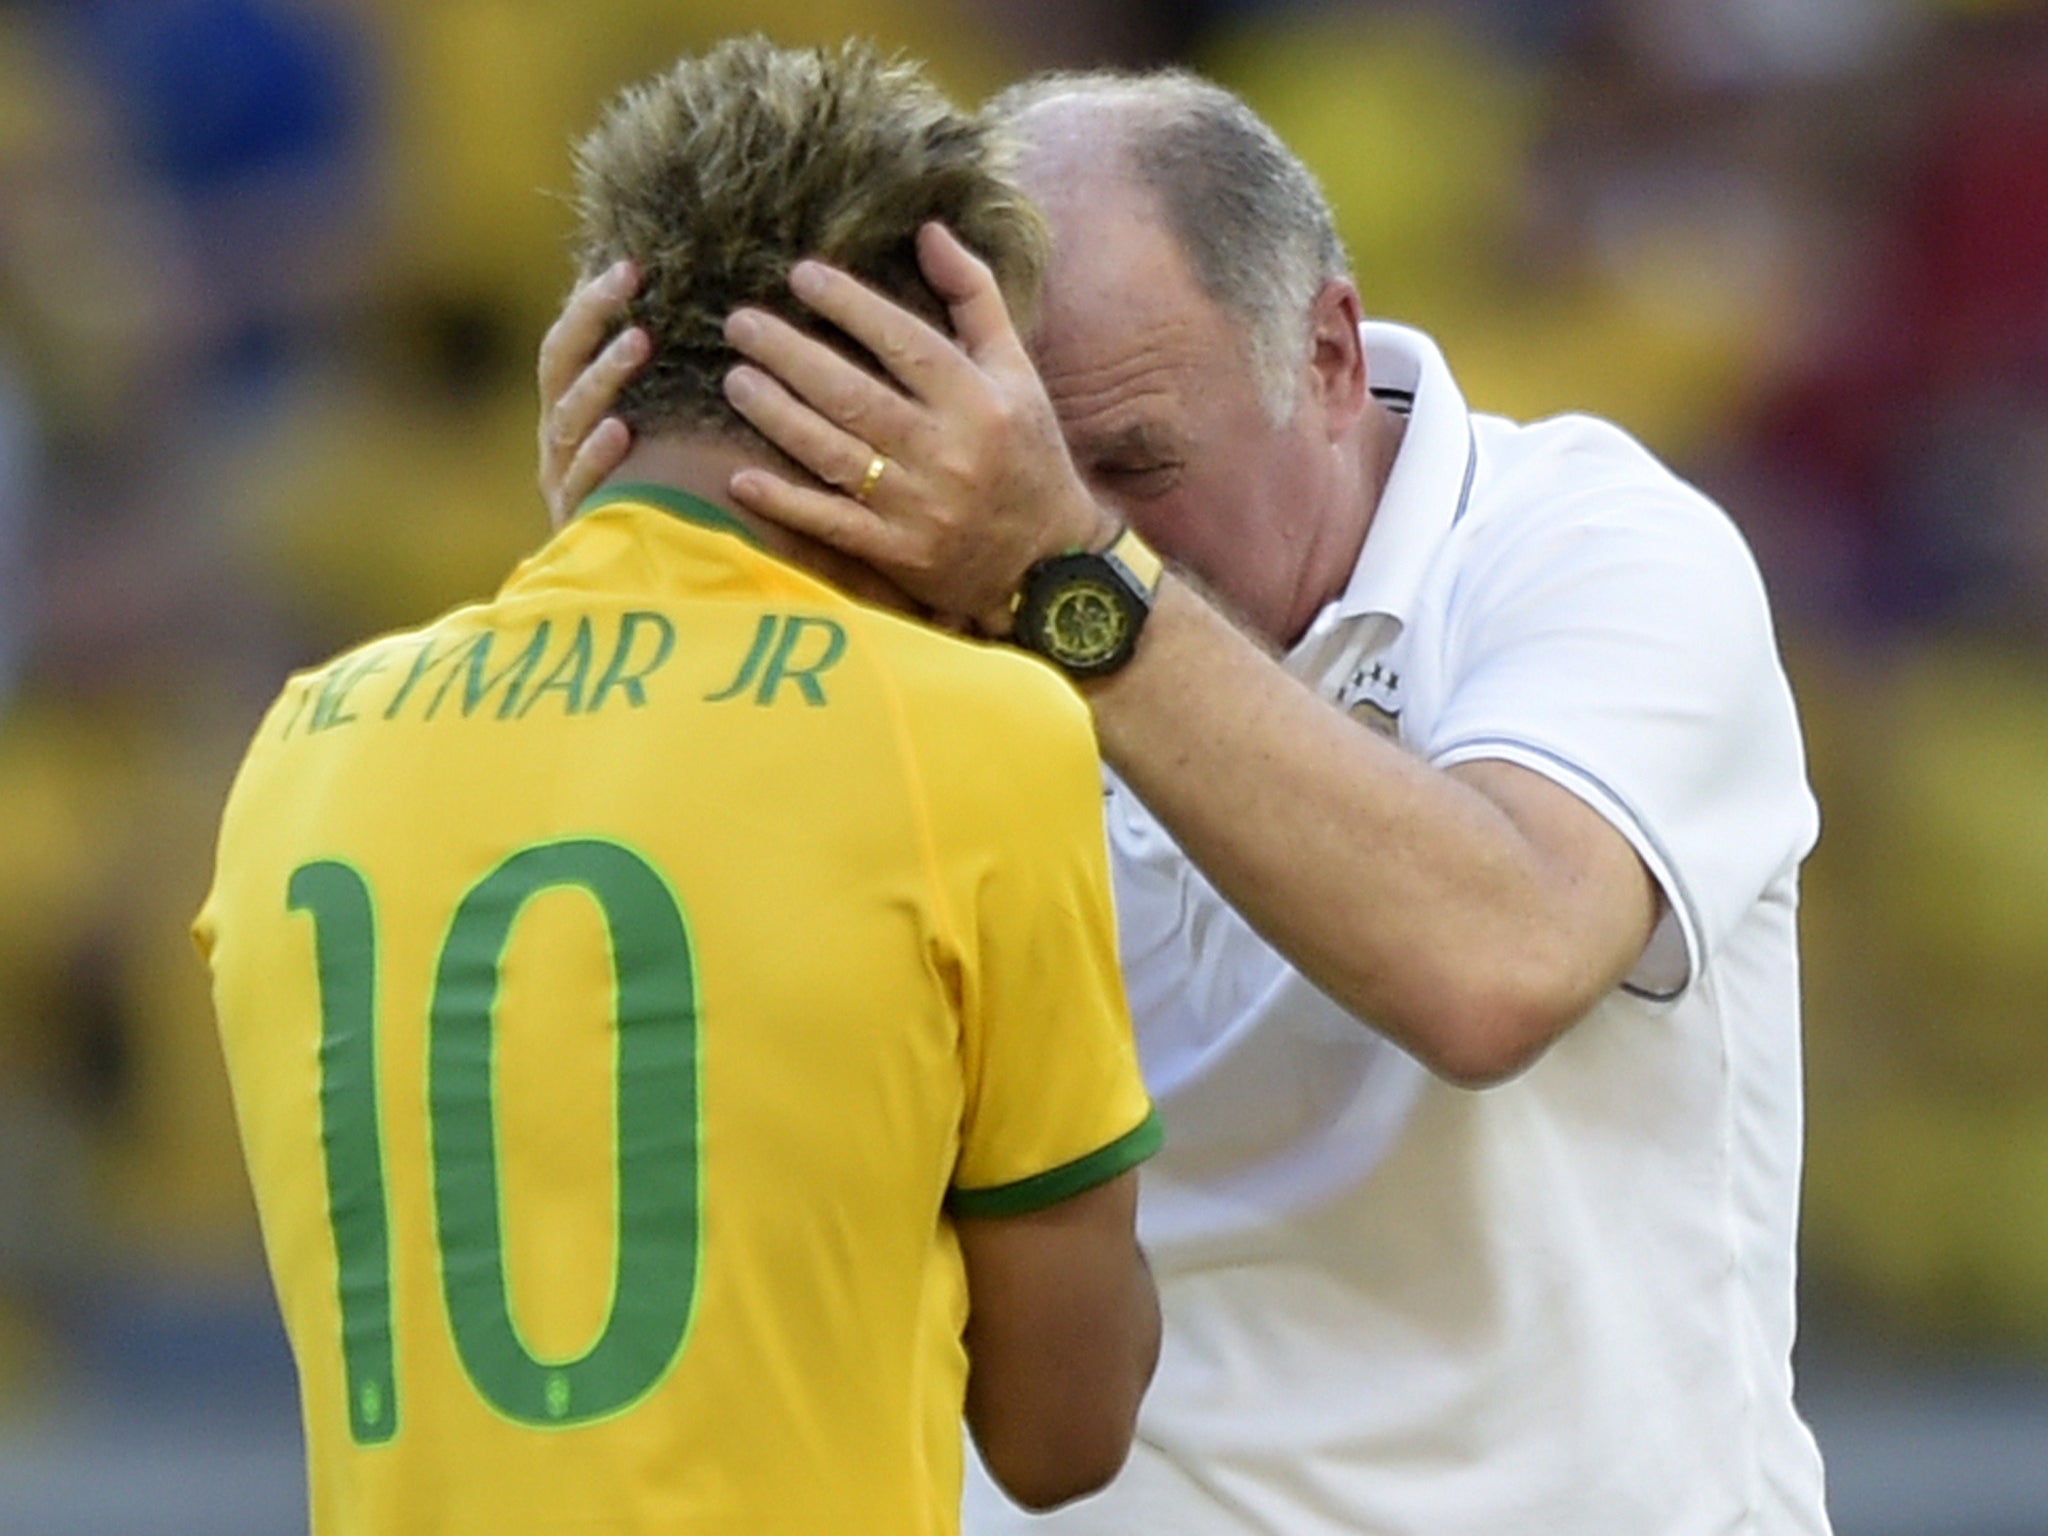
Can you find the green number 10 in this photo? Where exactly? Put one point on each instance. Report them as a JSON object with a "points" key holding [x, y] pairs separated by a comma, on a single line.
{"points": [[654, 1288]]}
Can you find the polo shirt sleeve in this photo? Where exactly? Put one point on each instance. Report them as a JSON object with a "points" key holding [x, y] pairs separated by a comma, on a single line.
{"points": [[1053, 1100], [1617, 640]]}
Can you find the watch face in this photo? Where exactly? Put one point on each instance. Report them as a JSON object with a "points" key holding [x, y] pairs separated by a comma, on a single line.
{"points": [[1082, 612], [1086, 623]]}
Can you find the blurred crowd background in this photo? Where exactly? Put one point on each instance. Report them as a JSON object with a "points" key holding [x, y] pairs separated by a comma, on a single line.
{"points": [[272, 273]]}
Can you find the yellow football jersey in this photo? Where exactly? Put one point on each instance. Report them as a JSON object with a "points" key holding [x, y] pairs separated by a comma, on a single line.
{"points": [[619, 982]]}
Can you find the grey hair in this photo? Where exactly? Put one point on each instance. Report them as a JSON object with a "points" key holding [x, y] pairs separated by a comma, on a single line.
{"points": [[1251, 218]]}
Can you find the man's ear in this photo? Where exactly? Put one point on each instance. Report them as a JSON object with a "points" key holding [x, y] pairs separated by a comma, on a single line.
{"points": [[1336, 355]]}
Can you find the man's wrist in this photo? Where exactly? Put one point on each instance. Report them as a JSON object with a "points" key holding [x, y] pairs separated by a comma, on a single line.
{"points": [[1084, 610]]}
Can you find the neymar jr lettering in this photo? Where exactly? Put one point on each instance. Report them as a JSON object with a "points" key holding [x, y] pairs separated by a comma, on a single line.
{"points": [[598, 662]]}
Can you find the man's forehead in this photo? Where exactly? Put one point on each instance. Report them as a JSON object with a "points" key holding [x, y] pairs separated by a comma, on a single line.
{"points": [[1143, 434], [1126, 336], [1117, 275], [1119, 374], [1122, 344]]}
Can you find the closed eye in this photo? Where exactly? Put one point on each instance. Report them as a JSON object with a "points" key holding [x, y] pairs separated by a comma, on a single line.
{"points": [[1142, 482]]}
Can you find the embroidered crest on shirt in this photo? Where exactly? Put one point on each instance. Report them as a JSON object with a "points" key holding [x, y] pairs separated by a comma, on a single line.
{"points": [[1372, 696]]}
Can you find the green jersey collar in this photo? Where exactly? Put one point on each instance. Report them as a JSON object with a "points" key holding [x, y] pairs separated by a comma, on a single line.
{"points": [[691, 509]]}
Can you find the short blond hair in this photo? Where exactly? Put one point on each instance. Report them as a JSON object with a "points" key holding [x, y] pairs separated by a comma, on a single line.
{"points": [[721, 173]]}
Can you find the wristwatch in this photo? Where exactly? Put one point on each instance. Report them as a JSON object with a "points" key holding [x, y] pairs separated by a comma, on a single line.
{"points": [[1083, 611]]}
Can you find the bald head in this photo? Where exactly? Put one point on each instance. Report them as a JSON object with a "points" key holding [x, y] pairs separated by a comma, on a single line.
{"points": [[1246, 212]]}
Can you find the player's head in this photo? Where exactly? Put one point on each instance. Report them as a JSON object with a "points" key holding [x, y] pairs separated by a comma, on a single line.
{"points": [[1199, 334], [721, 173]]}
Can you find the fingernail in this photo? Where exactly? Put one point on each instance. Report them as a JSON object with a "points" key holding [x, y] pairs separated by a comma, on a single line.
{"points": [[620, 276], [741, 385], [806, 279], [634, 343], [741, 327]]}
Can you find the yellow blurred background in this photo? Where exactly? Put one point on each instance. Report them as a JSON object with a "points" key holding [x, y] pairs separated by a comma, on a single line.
{"points": [[271, 277]]}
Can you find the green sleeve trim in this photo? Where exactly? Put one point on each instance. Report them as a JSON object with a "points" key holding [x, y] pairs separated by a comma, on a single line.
{"points": [[1066, 1181]]}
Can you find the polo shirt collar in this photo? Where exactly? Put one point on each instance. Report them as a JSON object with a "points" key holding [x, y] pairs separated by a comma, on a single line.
{"points": [[1430, 484]]}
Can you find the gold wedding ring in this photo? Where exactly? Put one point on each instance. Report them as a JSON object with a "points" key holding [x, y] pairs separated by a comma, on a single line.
{"points": [[876, 466]]}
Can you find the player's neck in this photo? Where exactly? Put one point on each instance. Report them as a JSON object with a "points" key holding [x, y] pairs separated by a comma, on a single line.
{"points": [[703, 466]]}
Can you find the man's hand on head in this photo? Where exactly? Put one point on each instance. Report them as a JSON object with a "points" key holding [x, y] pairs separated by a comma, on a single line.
{"points": [[975, 483], [580, 376]]}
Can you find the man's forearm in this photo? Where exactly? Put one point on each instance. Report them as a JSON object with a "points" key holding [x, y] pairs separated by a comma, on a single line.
{"points": [[1456, 923]]}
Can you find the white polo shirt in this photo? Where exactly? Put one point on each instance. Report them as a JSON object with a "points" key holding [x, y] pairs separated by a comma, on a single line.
{"points": [[1563, 1304]]}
